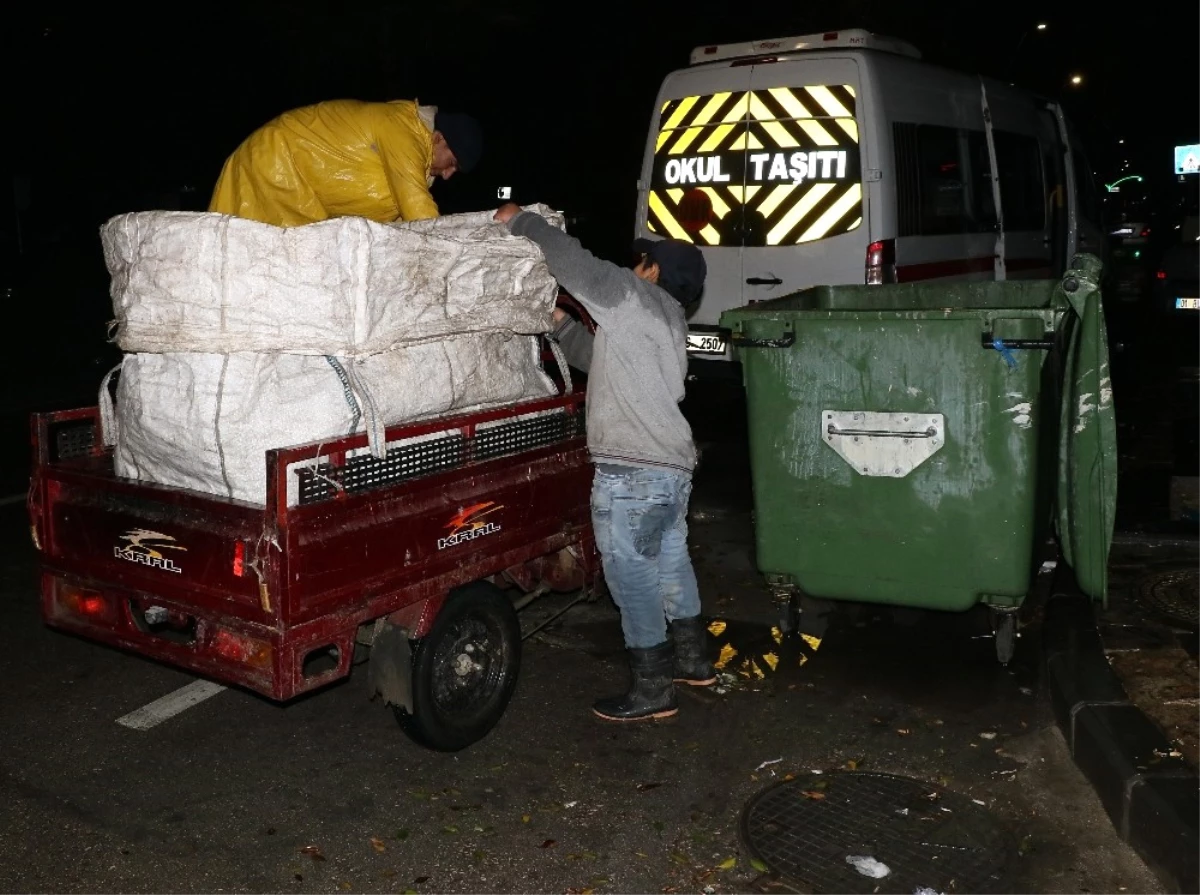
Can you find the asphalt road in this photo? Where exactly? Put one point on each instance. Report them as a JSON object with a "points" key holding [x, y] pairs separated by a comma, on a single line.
{"points": [[327, 795]]}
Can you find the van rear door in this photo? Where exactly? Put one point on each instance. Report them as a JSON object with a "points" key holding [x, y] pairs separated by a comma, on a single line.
{"points": [[804, 199], [692, 182]]}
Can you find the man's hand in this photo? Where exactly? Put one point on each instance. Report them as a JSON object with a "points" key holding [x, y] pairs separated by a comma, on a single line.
{"points": [[506, 211]]}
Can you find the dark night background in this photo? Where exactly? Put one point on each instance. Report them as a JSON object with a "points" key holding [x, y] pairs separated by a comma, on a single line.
{"points": [[114, 108]]}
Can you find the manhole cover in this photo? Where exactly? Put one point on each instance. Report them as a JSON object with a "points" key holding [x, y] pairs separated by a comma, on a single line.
{"points": [[807, 831], [1172, 594]]}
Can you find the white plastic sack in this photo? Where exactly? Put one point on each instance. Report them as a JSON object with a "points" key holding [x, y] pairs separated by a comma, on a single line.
{"points": [[202, 282], [205, 421]]}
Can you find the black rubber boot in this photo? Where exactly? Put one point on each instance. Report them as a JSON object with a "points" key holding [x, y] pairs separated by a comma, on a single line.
{"points": [[651, 692], [692, 665]]}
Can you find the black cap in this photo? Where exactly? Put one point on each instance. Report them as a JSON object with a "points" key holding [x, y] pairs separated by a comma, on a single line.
{"points": [[681, 267], [463, 135]]}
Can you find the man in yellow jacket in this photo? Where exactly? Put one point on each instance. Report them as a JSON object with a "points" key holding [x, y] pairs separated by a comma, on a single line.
{"points": [[343, 157]]}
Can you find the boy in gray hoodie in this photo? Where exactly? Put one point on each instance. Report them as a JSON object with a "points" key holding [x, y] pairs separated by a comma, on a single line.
{"points": [[642, 447]]}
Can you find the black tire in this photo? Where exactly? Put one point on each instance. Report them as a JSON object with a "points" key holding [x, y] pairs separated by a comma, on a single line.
{"points": [[464, 670]]}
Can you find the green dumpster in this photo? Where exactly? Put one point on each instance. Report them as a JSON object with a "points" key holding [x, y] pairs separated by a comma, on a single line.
{"points": [[917, 444]]}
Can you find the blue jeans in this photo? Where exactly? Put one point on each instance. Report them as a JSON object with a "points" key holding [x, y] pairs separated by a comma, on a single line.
{"points": [[640, 522]]}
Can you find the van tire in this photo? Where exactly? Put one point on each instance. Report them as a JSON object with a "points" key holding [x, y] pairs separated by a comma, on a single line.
{"points": [[464, 670]]}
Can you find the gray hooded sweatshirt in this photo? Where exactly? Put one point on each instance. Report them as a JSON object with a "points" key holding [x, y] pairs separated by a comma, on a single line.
{"points": [[636, 363]]}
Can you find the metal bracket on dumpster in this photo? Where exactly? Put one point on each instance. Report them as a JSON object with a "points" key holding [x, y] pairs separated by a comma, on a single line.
{"points": [[787, 340], [883, 444]]}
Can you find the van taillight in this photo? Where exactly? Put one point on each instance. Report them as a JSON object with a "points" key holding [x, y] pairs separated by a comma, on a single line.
{"points": [[881, 262]]}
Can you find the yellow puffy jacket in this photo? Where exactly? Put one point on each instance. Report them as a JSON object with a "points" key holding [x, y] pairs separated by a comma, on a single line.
{"points": [[333, 159]]}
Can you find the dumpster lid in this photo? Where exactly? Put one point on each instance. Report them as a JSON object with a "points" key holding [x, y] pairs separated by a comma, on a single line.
{"points": [[1087, 458]]}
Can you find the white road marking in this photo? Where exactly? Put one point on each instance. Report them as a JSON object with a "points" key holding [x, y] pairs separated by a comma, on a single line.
{"points": [[170, 705], [12, 498]]}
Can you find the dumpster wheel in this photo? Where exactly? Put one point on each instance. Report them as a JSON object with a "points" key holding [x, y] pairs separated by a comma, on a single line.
{"points": [[1004, 621]]}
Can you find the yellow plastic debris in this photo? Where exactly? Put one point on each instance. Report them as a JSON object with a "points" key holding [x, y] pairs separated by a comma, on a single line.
{"points": [[727, 655]]}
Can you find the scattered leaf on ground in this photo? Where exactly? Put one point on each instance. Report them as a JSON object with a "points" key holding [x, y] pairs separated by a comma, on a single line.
{"points": [[421, 879], [813, 794], [345, 886], [728, 864], [377, 844], [589, 856], [758, 865], [450, 828], [313, 851], [644, 787], [852, 765], [549, 843], [789, 776], [679, 857], [525, 818], [903, 731]]}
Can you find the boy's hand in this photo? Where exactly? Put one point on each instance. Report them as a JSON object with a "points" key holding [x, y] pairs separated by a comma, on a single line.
{"points": [[506, 211]]}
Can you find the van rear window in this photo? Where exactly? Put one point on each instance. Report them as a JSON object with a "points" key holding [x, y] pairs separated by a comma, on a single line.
{"points": [[772, 166]]}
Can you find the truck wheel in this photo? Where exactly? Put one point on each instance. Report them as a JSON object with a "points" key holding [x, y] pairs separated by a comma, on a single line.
{"points": [[464, 670]]}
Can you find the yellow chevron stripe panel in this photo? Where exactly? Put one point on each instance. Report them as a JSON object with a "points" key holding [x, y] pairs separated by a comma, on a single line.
{"points": [[828, 102], [835, 213], [790, 103], [710, 108], [673, 228], [720, 208], [798, 212], [680, 112], [774, 198], [817, 133], [717, 137], [685, 141], [780, 134]]}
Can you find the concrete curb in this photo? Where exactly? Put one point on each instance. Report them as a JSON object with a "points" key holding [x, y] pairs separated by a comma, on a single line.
{"points": [[1152, 799], [1151, 539]]}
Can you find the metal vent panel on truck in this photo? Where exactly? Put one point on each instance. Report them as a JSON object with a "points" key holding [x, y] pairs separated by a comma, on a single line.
{"points": [[773, 166]]}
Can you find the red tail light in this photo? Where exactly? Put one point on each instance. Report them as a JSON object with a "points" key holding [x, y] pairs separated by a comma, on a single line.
{"points": [[1162, 275], [239, 559], [1145, 231], [881, 262], [86, 603]]}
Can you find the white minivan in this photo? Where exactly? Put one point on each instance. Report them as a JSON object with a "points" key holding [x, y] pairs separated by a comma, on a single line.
{"points": [[843, 158]]}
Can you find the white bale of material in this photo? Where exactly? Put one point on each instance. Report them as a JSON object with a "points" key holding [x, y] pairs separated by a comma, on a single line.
{"points": [[212, 283], [204, 421]]}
